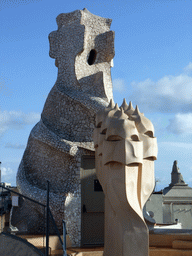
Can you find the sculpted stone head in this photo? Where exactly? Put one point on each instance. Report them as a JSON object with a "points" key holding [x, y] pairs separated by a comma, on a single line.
{"points": [[83, 47], [124, 135], [146, 134]]}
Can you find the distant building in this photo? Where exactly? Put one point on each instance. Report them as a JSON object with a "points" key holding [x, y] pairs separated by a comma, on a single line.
{"points": [[5, 207], [173, 204]]}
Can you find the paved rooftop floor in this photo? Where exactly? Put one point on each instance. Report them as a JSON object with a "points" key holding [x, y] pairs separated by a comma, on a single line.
{"points": [[98, 251]]}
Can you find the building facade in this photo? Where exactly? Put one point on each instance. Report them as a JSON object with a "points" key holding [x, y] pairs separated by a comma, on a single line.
{"points": [[174, 203]]}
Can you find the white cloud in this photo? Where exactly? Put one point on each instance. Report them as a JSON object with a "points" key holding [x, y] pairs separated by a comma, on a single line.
{"points": [[188, 68], [175, 145], [168, 94], [181, 123], [5, 172], [16, 120], [8, 175], [14, 146], [119, 85]]}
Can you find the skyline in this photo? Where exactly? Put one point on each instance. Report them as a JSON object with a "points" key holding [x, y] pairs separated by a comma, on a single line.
{"points": [[152, 68]]}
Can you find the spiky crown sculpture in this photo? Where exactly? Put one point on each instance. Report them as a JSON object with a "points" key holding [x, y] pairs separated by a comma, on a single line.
{"points": [[125, 149], [125, 123]]}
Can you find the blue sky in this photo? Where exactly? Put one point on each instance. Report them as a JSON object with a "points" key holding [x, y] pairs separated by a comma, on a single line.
{"points": [[152, 68]]}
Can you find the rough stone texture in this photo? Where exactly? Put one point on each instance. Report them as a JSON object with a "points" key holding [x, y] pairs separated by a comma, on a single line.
{"points": [[13, 245], [83, 49], [125, 150]]}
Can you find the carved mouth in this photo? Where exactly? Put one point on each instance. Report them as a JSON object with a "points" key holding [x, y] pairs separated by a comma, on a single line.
{"points": [[133, 164]]}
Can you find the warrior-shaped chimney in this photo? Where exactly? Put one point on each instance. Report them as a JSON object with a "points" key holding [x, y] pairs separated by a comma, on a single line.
{"points": [[176, 176]]}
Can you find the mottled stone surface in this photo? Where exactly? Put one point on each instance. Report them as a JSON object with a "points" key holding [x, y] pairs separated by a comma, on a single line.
{"points": [[83, 49], [13, 245]]}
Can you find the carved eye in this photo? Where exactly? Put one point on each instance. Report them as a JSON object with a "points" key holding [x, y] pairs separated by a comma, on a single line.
{"points": [[104, 131], [114, 138], [92, 57], [149, 133], [99, 125], [135, 137]]}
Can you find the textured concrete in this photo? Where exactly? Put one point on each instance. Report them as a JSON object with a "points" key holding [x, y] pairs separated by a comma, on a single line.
{"points": [[166, 240], [169, 252], [153, 251], [179, 244], [125, 150]]}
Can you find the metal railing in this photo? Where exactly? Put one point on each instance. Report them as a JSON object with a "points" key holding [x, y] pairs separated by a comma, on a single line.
{"points": [[35, 221]]}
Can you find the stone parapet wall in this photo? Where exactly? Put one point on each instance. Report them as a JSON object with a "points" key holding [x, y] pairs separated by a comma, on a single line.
{"points": [[13, 245]]}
